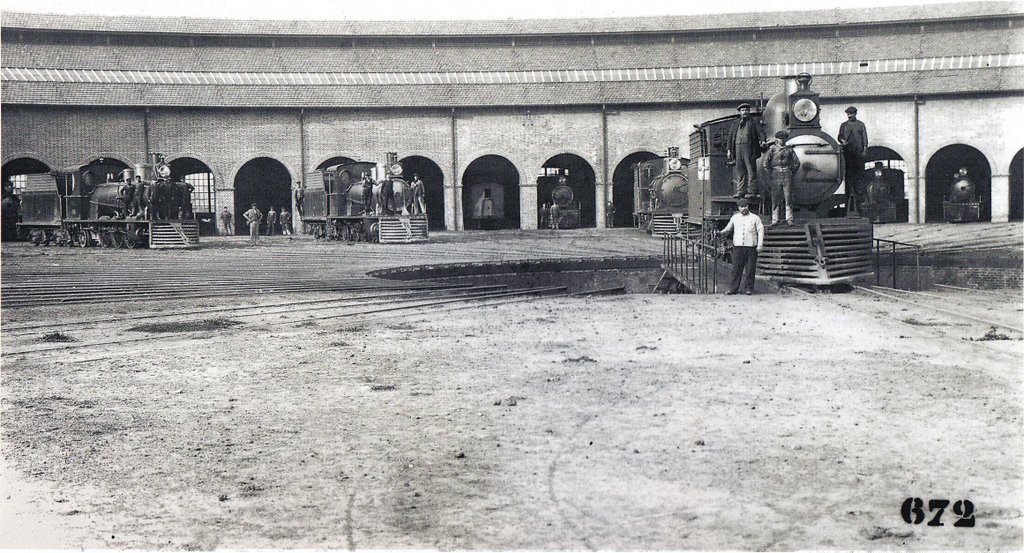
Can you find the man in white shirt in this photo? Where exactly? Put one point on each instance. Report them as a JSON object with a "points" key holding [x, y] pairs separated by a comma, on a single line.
{"points": [[747, 239]]}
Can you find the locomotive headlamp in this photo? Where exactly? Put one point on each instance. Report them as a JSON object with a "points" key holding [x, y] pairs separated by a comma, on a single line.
{"points": [[805, 109], [164, 171], [396, 169], [675, 164]]}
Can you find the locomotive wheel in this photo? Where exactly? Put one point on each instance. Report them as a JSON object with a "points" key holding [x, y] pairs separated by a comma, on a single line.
{"points": [[37, 237], [106, 238], [120, 238], [373, 235], [346, 233], [83, 239], [134, 237]]}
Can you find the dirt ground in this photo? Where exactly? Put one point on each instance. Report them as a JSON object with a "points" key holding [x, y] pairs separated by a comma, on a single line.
{"points": [[626, 422]]}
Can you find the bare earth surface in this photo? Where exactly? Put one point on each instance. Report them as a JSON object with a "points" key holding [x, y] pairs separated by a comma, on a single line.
{"points": [[626, 422]]}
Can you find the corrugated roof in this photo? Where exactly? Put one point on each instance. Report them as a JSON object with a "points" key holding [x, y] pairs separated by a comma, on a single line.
{"points": [[966, 81], [652, 24]]}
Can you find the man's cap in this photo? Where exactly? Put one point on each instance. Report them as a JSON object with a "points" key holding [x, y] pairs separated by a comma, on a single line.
{"points": [[851, 109], [254, 205], [743, 202], [783, 134], [743, 105]]}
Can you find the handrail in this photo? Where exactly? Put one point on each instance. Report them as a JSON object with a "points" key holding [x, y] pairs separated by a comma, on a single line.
{"points": [[892, 246], [693, 261]]}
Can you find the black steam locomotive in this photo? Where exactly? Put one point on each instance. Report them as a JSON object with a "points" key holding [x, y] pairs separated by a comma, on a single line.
{"points": [[101, 204], [963, 204], [821, 248], [661, 193], [565, 209], [364, 201]]}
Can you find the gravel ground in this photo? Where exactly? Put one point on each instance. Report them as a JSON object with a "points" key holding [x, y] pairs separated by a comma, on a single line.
{"points": [[629, 422]]}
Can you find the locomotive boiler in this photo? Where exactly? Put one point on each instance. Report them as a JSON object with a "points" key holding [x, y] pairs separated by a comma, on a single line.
{"points": [[818, 249], [661, 193], [362, 201], [565, 208], [100, 204], [962, 205]]}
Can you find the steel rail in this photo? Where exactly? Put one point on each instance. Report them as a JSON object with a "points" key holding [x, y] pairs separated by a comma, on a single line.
{"points": [[19, 330], [151, 338], [940, 310]]}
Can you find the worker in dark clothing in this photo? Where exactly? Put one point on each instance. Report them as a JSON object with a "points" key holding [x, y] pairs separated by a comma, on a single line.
{"points": [[746, 139], [781, 162], [387, 195], [367, 195], [853, 137]]}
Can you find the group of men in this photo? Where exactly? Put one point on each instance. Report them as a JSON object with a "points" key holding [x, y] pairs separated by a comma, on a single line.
{"points": [[379, 197], [161, 199], [746, 143], [253, 217]]}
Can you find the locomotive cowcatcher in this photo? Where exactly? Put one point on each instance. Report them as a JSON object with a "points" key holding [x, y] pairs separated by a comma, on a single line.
{"points": [[102, 204], [363, 201], [817, 249]]}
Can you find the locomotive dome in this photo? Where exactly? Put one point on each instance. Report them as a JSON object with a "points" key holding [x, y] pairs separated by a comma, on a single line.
{"points": [[474, 102]]}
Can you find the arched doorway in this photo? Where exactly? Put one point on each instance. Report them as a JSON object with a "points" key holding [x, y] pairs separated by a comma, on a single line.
{"points": [[263, 181], [894, 171], [939, 179], [623, 196], [493, 178], [579, 176], [433, 187], [200, 176], [14, 179], [1017, 187], [336, 160]]}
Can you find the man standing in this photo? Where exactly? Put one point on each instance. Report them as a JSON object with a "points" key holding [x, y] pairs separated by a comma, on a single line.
{"points": [[253, 217], [853, 137], [747, 239], [545, 216], [225, 222], [419, 205], [286, 221], [555, 213], [271, 219], [782, 163], [745, 141], [300, 196]]}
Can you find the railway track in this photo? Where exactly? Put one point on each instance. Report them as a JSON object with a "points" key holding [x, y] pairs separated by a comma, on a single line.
{"points": [[297, 315]]}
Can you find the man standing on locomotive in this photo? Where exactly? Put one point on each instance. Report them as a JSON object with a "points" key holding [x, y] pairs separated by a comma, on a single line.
{"points": [[781, 162], [745, 142], [286, 222], [747, 240], [853, 137], [253, 217]]}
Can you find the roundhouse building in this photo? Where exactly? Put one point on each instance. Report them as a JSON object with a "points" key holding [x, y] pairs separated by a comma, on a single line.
{"points": [[244, 109]]}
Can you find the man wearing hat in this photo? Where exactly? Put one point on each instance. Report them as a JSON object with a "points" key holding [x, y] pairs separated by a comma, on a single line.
{"points": [[747, 239], [781, 162], [853, 137], [745, 141], [253, 217]]}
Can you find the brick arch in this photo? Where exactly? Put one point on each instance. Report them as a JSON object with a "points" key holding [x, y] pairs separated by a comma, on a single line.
{"points": [[938, 170], [622, 194], [585, 193], [120, 156], [510, 206], [31, 155], [217, 175], [234, 170]]}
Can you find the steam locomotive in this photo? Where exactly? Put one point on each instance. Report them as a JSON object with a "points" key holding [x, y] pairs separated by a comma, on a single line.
{"points": [[962, 205], [363, 201], [821, 248], [661, 193], [565, 210], [88, 206]]}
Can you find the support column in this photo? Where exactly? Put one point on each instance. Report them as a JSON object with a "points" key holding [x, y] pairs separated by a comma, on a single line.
{"points": [[601, 193], [454, 217], [1000, 198], [528, 205], [916, 197]]}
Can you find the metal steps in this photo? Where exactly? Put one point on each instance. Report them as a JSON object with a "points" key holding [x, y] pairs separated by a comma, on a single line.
{"points": [[173, 234], [818, 252], [402, 230]]}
